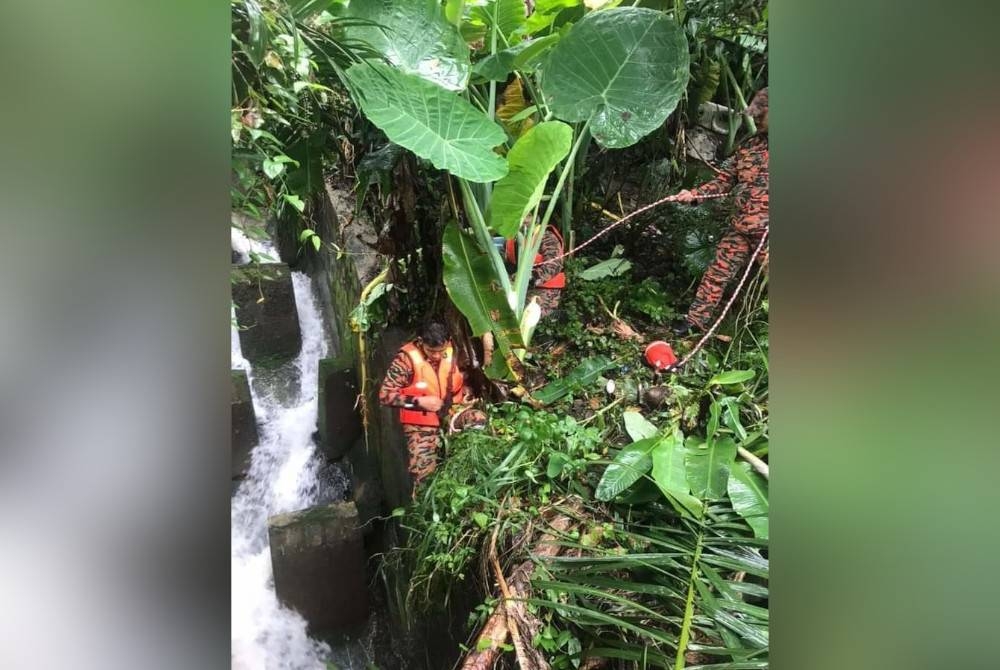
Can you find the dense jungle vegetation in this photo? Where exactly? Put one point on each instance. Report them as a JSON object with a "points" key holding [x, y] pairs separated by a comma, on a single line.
{"points": [[456, 122]]}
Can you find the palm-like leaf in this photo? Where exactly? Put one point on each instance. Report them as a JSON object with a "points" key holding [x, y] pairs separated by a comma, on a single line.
{"points": [[681, 603]]}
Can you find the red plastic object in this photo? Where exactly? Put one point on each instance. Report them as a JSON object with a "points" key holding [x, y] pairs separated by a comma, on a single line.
{"points": [[660, 355]]}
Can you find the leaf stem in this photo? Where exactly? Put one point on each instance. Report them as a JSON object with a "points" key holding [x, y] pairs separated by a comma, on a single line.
{"points": [[533, 238], [685, 634], [482, 234]]}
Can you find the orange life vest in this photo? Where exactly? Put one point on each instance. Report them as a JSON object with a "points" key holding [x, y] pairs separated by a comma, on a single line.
{"points": [[559, 281], [427, 382]]}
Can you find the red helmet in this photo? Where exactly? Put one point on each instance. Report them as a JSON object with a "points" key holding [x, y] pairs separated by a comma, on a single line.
{"points": [[660, 355]]}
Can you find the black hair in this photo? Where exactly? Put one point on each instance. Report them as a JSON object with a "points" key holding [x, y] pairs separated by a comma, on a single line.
{"points": [[434, 334]]}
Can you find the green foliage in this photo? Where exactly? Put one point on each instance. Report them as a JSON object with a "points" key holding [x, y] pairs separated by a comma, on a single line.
{"points": [[287, 60], [582, 375], [629, 465], [414, 37], [429, 121], [468, 278], [489, 479], [636, 62], [611, 267], [709, 465], [531, 160], [639, 601], [748, 491]]}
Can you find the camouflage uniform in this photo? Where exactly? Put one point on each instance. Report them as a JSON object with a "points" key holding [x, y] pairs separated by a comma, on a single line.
{"points": [[548, 298], [423, 443], [746, 175]]}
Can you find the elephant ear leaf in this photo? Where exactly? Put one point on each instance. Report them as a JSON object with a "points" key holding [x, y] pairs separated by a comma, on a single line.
{"points": [[625, 69], [433, 123], [415, 37], [531, 160]]}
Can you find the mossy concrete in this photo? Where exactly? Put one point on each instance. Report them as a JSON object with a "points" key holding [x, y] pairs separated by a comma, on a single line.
{"points": [[266, 314], [318, 560], [382, 467], [243, 436], [339, 421]]}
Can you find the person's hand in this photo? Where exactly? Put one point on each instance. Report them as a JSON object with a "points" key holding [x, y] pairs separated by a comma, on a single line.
{"points": [[685, 196], [429, 403]]}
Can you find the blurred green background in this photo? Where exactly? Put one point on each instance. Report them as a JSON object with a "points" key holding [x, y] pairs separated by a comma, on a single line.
{"points": [[115, 296]]}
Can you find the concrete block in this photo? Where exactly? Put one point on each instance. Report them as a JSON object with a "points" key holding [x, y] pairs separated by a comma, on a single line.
{"points": [[269, 329], [318, 560], [244, 424], [339, 423], [365, 488]]}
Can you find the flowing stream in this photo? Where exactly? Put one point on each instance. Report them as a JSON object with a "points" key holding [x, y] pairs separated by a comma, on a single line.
{"points": [[284, 476]]}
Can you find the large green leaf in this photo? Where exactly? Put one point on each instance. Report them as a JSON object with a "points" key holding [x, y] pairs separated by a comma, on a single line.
{"points": [[509, 14], [469, 279], [629, 465], [430, 121], [583, 374], [546, 12], [732, 377], [611, 267], [670, 472], [748, 494], [416, 37], [523, 56], [637, 427], [531, 159], [624, 68], [708, 466]]}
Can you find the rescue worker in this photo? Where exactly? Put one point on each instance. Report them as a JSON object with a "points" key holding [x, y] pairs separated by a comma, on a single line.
{"points": [[547, 278], [424, 382], [745, 174]]}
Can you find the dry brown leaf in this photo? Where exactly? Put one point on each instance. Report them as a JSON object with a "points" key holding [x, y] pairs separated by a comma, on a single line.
{"points": [[625, 331]]}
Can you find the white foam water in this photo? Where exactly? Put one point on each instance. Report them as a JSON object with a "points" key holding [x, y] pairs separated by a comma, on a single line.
{"points": [[282, 478]]}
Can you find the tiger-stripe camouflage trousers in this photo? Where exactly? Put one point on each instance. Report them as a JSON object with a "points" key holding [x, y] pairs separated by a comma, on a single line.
{"points": [[548, 299], [422, 444], [731, 256]]}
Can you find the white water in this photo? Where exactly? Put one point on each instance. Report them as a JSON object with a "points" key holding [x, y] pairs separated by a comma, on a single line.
{"points": [[282, 478]]}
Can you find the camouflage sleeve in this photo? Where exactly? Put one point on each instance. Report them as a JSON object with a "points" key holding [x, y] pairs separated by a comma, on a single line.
{"points": [[550, 248], [397, 377], [723, 182]]}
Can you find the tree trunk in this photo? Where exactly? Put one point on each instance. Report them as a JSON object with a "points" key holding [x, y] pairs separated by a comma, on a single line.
{"points": [[512, 612]]}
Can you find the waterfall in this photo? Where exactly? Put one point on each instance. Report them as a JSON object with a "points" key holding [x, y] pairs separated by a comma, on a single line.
{"points": [[283, 477]]}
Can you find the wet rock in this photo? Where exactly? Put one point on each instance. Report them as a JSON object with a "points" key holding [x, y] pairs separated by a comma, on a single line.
{"points": [[269, 328], [654, 397], [319, 566], [244, 424], [333, 484]]}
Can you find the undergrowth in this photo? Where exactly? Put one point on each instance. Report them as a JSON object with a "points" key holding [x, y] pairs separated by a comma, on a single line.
{"points": [[640, 576]]}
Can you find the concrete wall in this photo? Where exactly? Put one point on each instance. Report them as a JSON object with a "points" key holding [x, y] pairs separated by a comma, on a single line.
{"points": [[269, 328], [379, 471]]}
